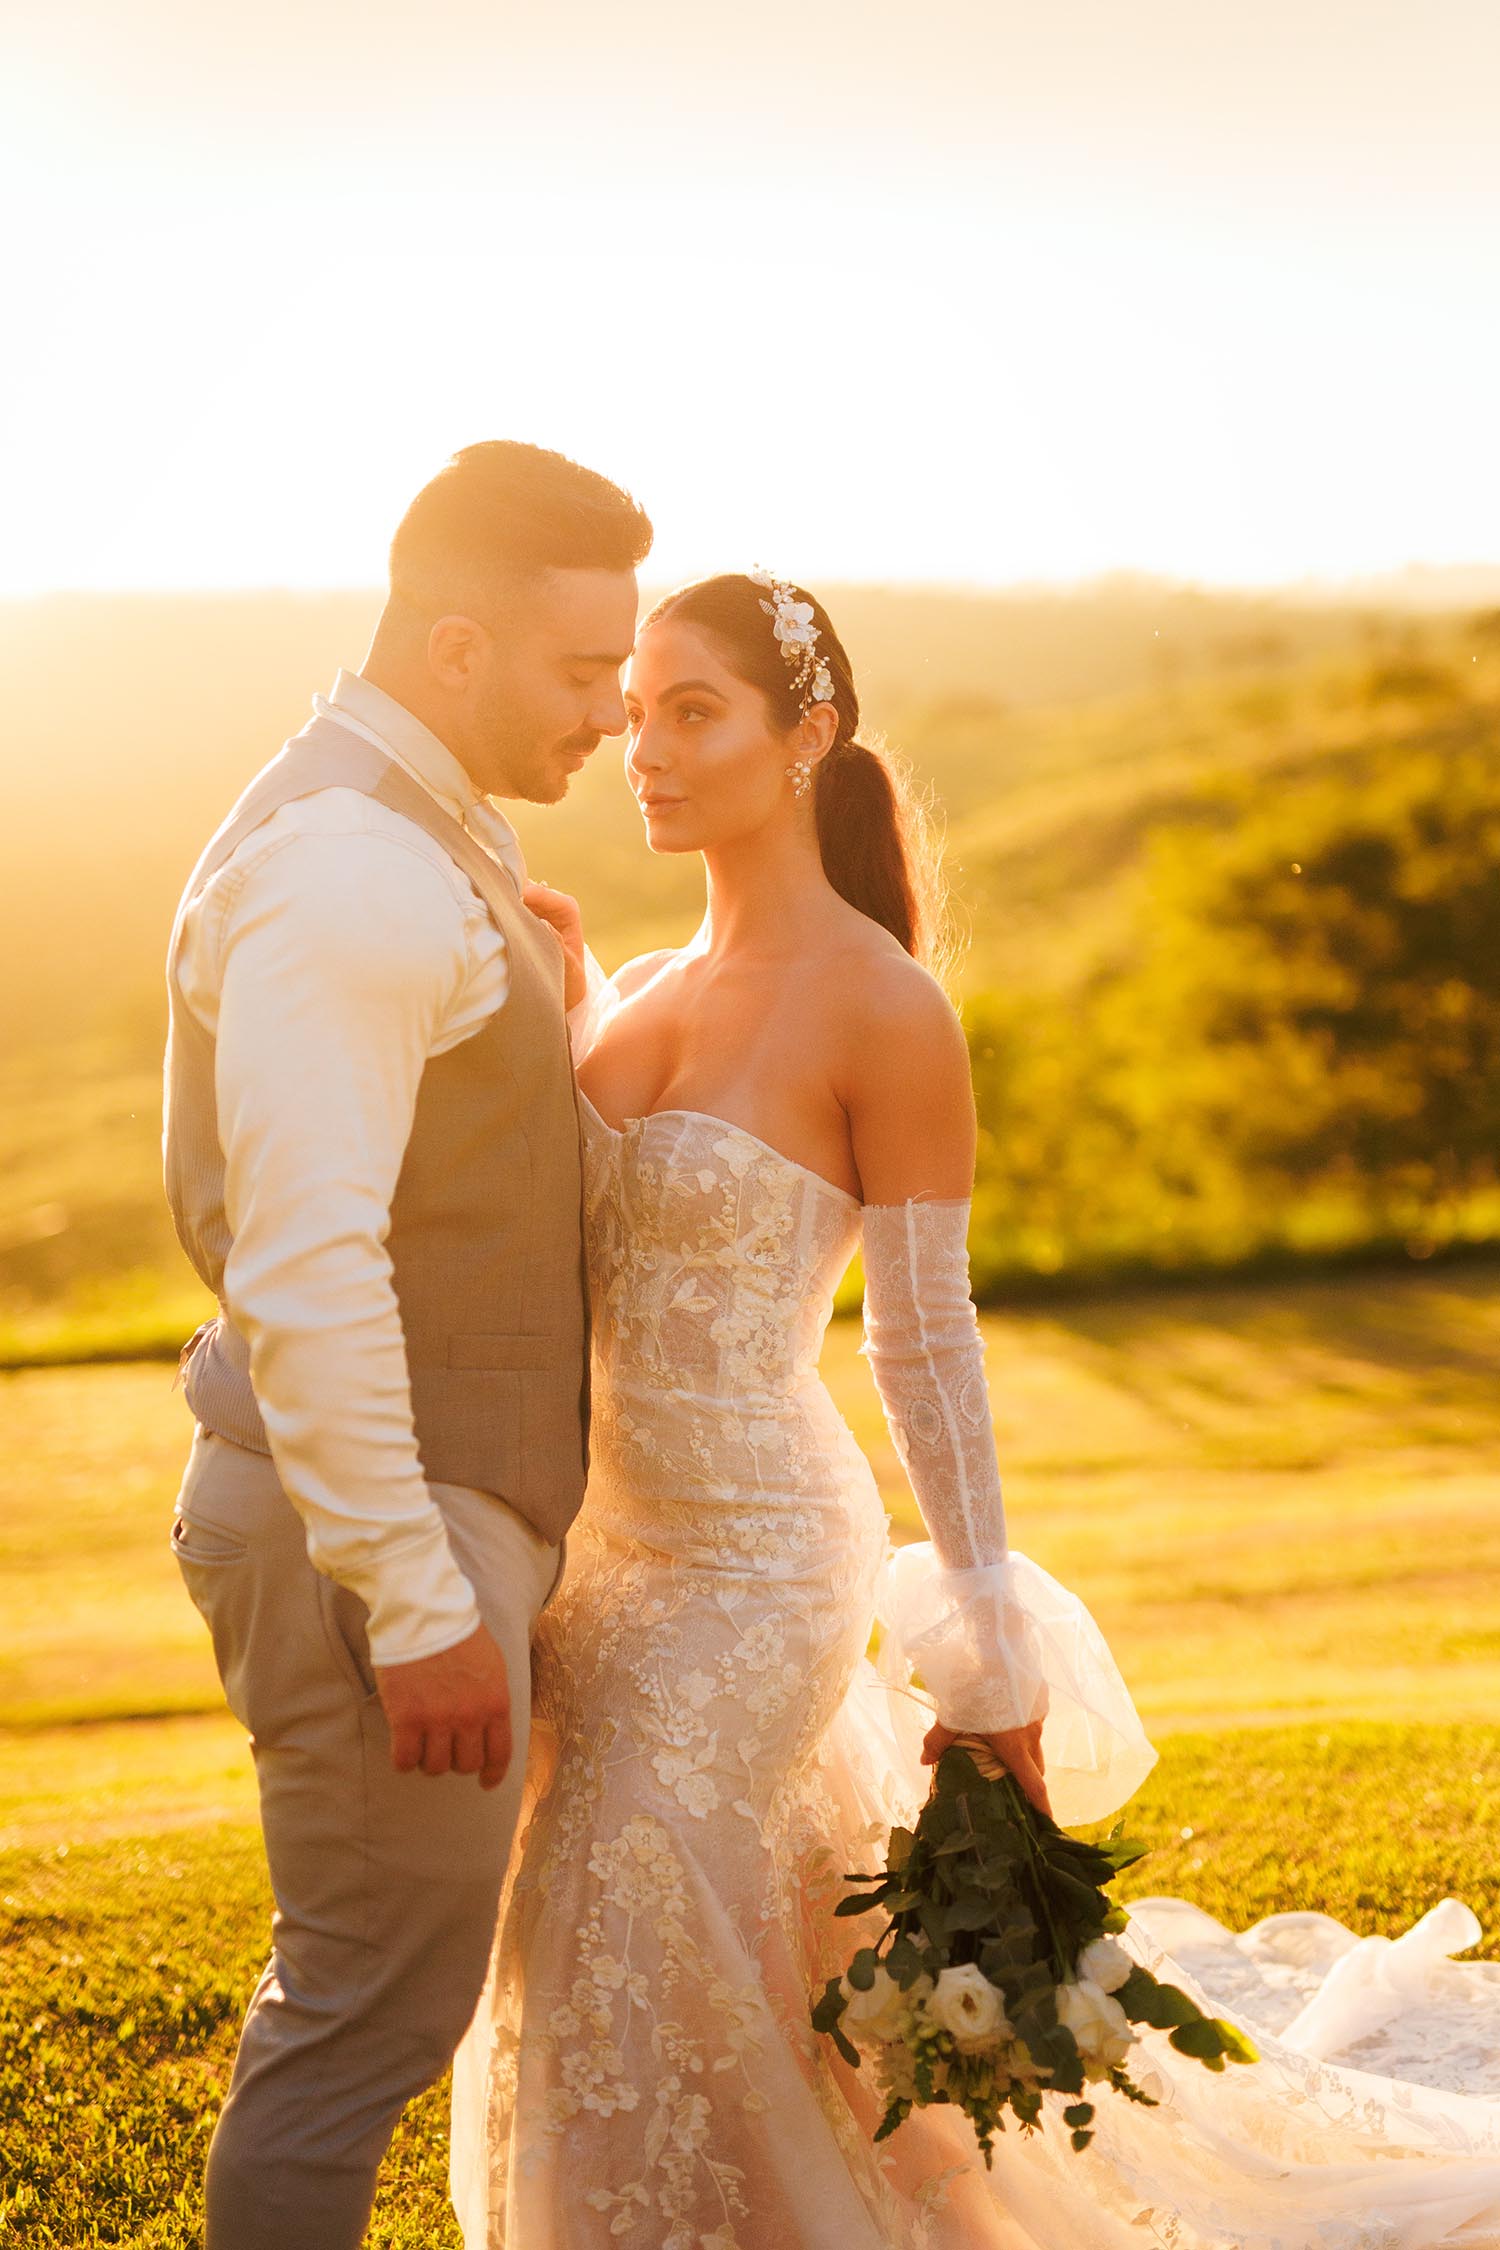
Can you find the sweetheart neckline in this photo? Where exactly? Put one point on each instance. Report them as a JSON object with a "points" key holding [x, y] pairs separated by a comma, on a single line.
{"points": [[727, 1125]]}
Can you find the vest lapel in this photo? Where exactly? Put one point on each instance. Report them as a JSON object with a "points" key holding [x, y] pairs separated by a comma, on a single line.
{"points": [[326, 755]]}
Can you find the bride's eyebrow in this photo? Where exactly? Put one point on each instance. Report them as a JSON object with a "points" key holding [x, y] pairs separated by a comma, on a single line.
{"points": [[685, 687]]}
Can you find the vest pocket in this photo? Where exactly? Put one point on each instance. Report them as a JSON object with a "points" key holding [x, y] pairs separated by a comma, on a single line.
{"points": [[526, 1354]]}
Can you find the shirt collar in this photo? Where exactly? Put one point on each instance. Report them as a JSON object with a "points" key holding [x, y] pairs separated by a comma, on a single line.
{"points": [[368, 711], [392, 728]]}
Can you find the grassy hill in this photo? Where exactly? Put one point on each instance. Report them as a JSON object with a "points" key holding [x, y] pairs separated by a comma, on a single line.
{"points": [[1060, 733], [130, 723]]}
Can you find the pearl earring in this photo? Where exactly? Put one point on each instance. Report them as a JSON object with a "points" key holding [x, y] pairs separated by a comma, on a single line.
{"points": [[801, 775]]}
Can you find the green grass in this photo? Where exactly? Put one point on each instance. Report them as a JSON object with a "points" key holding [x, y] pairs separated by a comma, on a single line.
{"points": [[98, 1626], [127, 1969], [128, 1962], [1280, 1502], [61, 1787]]}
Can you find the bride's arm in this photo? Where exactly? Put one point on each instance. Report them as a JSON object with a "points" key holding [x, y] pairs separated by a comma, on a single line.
{"points": [[1001, 1647]]}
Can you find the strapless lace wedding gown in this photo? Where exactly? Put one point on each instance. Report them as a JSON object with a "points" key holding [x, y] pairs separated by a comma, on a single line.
{"points": [[714, 1751]]}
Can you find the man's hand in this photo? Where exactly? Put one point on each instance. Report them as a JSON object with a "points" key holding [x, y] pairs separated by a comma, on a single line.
{"points": [[1019, 1751], [450, 1713], [564, 915]]}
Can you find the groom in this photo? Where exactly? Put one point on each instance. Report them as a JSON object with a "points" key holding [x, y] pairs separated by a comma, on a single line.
{"points": [[372, 1159]]}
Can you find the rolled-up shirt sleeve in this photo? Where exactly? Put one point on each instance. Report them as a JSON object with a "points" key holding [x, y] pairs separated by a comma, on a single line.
{"points": [[338, 959]]}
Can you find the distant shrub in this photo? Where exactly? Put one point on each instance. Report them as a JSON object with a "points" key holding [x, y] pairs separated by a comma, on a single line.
{"points": [[1407, 679], [1303, 1052]]}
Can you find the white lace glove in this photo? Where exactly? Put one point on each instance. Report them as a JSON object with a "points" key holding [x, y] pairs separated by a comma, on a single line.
{"points": [[997, 1642]]}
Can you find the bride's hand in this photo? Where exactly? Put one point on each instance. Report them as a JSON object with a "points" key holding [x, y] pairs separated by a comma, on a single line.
{"points": [[562, 914], [1019, 1751]]}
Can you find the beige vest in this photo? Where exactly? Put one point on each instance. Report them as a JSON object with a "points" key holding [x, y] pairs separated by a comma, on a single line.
{"points": [[486, 1221]]}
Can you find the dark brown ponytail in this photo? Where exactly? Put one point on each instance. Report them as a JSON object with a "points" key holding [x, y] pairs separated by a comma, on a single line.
{"points": [[874, 838], [862, 837]]}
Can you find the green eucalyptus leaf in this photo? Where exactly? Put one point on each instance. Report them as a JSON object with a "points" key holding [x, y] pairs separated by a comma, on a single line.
{"points": [[1202, 2040], [1160, 2005], [899, 1849], [905, 1962], [1237, 2048], [934, 1922], [970, 1914], [861, 1970], [830, 2007], [848, 1906]]}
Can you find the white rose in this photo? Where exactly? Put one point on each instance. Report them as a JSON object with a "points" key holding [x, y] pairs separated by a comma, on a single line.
{"points": [[964, 2002], [1105, 1963], [795, 628], [884, 2011], [1099, 2025]]}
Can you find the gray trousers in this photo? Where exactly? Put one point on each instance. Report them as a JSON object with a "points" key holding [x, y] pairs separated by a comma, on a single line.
{"points": [[386, 1884]]}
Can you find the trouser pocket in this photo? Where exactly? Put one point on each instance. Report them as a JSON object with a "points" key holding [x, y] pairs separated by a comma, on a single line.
{"points": [[345, 1620], [195, 1541], [216, 1570], [240, 1547]]}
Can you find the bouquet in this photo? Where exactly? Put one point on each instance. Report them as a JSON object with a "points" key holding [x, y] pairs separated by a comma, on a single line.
{"points": [[999, 1977]]}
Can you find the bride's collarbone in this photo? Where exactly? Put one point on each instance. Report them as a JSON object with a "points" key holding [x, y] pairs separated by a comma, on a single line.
{"points": [[724, 1069], [745, 1051]]}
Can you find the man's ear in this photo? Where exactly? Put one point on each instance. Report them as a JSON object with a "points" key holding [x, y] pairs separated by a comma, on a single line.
{"points": [[455, 648]]}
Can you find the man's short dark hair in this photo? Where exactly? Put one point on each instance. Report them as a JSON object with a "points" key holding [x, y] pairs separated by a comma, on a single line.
{"points": [[505, 510]]}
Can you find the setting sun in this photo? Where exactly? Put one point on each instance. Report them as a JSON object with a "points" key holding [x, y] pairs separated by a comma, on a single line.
{"points": [[983, 297]]}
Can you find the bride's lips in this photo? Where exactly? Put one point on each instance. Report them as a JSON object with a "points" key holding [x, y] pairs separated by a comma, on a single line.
{"points": [[657, 804]]}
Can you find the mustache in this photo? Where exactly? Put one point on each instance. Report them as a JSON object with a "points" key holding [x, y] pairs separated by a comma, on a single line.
{"points": [[587, 738]]}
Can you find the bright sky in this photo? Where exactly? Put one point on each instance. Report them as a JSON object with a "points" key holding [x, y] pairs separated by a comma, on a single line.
{"points": [[984, 290]]}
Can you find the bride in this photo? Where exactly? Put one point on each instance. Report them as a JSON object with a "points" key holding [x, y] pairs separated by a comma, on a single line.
{"points": [[790, 1086]]}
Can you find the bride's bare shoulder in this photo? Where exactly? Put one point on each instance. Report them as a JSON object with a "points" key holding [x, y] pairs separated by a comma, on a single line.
{"points": [[882, 988], [890, 1016], [878, 1004], [903, 1079]]}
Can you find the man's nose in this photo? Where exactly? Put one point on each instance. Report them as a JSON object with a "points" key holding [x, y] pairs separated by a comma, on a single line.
{"points": [[608, 714]]}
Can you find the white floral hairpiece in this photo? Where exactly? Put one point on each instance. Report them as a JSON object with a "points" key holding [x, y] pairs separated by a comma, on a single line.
{"points": [[798, 636]]}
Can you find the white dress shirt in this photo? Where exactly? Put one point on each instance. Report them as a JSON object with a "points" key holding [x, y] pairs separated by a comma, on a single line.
{"points": [[335, 952]]}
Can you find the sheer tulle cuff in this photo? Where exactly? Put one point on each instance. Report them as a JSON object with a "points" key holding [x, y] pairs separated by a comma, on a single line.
{"points": [[1004, 1644]]}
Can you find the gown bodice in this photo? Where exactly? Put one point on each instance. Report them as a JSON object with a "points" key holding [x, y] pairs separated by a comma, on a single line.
{"points": [[714, 1262], [714, 1259]]}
